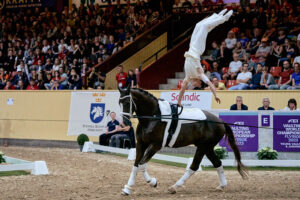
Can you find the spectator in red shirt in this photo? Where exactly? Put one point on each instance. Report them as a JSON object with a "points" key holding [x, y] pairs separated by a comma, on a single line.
{"points": [[32, 85], [121, 77], [285, 78], [9, 86]]}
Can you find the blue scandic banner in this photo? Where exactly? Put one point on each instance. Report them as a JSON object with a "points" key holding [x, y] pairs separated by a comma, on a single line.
{"points": [[17, 4]]}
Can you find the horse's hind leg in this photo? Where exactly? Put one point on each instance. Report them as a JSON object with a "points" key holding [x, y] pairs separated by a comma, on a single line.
{"points": [[193, 168], [218, 165], [151, 150]]}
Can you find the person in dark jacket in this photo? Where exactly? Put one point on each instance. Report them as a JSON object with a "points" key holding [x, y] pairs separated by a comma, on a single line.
{"points": [[255, 80], [239, 104], [266, 105]]}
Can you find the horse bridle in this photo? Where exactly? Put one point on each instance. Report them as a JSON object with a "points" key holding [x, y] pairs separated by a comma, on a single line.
{"points": [[130, 114]]}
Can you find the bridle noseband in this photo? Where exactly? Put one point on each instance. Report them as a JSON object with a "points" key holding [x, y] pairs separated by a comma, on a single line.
{"points": [[130, 114]]}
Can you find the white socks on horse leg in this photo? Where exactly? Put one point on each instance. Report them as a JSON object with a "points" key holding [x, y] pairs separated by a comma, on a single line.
{"points": [[143, 169], [184, 178], [127, 188], [222, 177]]}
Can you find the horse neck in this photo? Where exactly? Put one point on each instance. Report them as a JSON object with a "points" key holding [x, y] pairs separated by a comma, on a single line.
{"points": [[145, 105]]}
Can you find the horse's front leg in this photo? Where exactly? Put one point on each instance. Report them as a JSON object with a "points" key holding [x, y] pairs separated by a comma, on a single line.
{"points": [[152, 149], [140, 151]]}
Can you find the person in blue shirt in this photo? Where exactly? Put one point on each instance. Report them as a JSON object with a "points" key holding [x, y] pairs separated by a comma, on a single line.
{"points": [[266, 105], [295, 78], [255, 80], [111, 129], [125, 131]]}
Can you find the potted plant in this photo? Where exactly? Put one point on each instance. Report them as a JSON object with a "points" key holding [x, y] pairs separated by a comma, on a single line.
{"points": [[2, 160], [81, 139], [221, 152], [267, 153]]}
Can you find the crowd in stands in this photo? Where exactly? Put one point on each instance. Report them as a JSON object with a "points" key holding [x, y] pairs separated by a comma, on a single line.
{"points": [[262, 49], [40, 49]]}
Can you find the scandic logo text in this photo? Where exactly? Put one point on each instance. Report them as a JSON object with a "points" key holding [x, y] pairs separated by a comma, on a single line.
{"points": [[191, 97]]}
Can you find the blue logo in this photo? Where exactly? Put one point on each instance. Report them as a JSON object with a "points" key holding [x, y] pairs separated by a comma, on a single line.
{"points": [[97, 112]]}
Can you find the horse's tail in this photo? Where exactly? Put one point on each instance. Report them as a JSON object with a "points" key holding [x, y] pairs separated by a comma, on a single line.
{"points": [[241, 168]]}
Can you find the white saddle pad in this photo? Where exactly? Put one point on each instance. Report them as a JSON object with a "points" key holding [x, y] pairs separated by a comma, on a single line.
{"points": [[188, 114]]}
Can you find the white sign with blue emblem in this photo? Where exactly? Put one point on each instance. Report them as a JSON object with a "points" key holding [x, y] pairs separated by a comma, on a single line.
{"points": [[89, 112]]}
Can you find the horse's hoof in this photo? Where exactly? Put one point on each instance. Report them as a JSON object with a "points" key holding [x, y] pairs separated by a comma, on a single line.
{"points": [[153, 182], [124, 193], [220, 188], [172, 190]]}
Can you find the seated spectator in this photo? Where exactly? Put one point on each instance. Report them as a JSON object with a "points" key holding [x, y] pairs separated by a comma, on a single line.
{"points": [[254, 42], [55, 85], [19, 76], [121, 77], [263, 50], [266, 105], [131, 79], [266, 79], [275, 54], [295, 78], [292, 106], [255, 80], [239, 104], [234, 68], [218, 84], [20, 85], [243, 40], [63, 81], [243, 79], [215, 70], [74, 81], [96, 78], [239, 50], [215, 53], [111, 129], [124, 132], [230, 40], [32, 85], [285, 78], [9, 86], [56, 77], [251, 64]]}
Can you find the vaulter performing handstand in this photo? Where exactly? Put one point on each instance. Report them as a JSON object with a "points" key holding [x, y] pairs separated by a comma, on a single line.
{"points": [[192, 67]]}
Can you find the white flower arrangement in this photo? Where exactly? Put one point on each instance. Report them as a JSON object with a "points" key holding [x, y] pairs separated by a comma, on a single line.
{"points": [[221, 152], [2, 160]]}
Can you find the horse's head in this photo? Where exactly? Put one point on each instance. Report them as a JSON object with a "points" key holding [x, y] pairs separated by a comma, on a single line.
{"points": [[126, 103]]}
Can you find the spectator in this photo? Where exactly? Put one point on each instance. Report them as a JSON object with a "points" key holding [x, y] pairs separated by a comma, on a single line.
{"points": [[215, 53], [234, 68], [243, 79], [9, 86], [251, 64], [111, 129], [263, 50], [275, 53], [295, 78], [32, 85], [239, 104], [121, 77], [74, 81], [131, 79], [63, 81], [239, 50], [20, 85], [254, 41], [96, 78], [124, 132], [215, 70], [266, 105], [218, 84], [255, 80], [230, 40], [19, 76], [55, 85], [292, 106], [266, 79], [285, 78], [56, 77]]}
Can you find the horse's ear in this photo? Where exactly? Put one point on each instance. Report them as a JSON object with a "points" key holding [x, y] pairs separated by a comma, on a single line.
{"points": [[128, 88], [121, 90]]}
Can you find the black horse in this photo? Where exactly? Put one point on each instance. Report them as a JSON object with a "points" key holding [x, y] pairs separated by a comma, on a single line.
{"points": [[150, 132]]}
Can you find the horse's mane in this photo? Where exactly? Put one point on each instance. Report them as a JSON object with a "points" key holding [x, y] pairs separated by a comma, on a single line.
{"points": [[146, 93]]}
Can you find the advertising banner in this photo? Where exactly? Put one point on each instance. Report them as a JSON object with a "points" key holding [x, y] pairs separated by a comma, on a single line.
{"points": [[286, 132], [15, 4], [246, 137], [190, 99], [89, 112]]}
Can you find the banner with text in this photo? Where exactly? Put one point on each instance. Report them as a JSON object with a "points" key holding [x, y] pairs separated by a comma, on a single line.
{"points": [[286, 132], [190, 99], [15, 4], [89, 112], [246, 137]]}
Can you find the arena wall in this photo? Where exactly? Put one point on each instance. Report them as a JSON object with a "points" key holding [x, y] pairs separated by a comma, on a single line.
{"points": [[43, 115]]}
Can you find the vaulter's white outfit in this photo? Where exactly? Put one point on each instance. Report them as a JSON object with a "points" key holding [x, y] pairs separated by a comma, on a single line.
{"points": [[198, 42]]}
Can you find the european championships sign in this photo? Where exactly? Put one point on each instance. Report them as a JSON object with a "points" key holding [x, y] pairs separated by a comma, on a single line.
{"points": [[89, 112]]}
